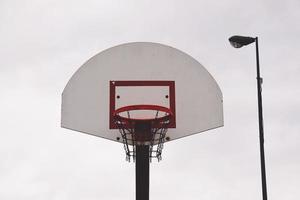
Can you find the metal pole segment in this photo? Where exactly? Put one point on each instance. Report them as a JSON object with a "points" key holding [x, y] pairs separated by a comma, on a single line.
{"points": [[261, 128], [142, 172]]}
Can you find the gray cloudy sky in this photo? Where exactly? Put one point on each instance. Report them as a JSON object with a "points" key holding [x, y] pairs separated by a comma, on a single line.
{"points": [[44, 42]]}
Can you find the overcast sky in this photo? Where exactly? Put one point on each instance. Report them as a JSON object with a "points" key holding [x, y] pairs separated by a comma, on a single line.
{"points": [[44, 42]]}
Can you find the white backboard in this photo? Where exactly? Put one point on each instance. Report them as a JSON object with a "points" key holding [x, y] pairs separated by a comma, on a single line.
{"points": [[86, 98]]}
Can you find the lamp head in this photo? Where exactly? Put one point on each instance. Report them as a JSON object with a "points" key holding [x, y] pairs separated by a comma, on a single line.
{"points": [[239, 41]]}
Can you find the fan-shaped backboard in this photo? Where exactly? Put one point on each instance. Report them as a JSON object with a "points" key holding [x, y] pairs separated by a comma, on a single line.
{"points": [[141, 73]]}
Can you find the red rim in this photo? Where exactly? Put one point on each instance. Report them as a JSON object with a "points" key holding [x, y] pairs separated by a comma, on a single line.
{"points": [[117, 112]]}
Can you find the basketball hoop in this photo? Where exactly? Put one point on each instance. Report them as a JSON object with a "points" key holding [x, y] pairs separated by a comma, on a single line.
{"points": [[136, 94], [143, 125]]}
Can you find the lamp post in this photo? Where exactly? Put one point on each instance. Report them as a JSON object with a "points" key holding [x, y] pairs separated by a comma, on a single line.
{"points": [[238, 42]]}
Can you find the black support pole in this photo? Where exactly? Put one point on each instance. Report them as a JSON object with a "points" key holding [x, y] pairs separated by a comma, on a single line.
{"points": [[261, 127], [142, 172]]}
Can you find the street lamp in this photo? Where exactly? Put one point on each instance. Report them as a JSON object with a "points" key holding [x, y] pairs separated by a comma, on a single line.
{"points": [[238, 42]]}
